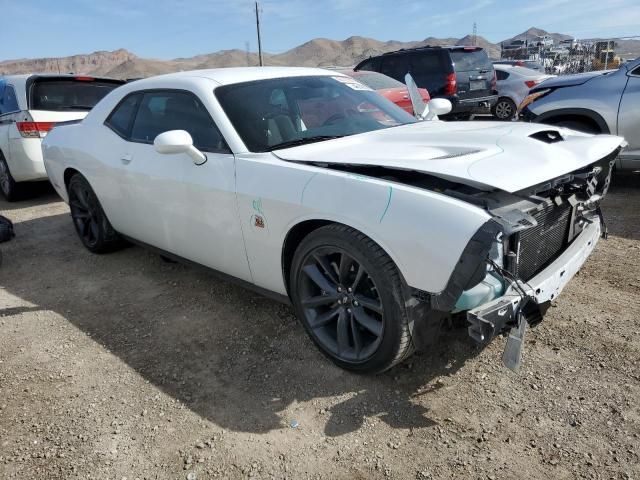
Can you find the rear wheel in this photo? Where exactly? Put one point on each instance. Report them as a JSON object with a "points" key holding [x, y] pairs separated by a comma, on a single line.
{"points": [[92, 225], [504, 109], [350, 297], [10, 189]]}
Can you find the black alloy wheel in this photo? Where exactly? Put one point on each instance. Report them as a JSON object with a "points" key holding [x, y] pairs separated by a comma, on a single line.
{"points": [[91, 224], [342, 304], [350, 297]]}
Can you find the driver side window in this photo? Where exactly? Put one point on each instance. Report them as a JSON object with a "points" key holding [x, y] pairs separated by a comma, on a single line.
{"points": [[162, 111]]}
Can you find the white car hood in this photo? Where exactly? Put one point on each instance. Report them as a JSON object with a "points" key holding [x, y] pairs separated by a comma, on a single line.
{"points": [[482, 154]]}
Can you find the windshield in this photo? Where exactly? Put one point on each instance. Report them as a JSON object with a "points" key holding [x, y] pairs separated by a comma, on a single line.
{"points": [[69, 94], [281, 112]]}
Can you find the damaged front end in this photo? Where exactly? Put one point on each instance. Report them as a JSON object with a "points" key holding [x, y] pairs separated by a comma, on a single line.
{"points": [[522, 258]]}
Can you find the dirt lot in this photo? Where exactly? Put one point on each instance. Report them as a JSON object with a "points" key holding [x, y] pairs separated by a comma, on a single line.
{"points": [[123, 366]]}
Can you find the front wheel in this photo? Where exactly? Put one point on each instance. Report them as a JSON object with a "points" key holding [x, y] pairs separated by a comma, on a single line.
{"points": [[505, 109], [92, 225], [350, 297]]}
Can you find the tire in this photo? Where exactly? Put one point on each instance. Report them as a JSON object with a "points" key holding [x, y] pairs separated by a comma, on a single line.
{"points": [[578, 125], [8, 186], [505, 109], [89, 220], [357, 318]]}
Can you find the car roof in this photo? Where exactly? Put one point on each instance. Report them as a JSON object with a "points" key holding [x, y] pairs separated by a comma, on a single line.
{"points": [[434, 48], [26, 76], [228, 76]]}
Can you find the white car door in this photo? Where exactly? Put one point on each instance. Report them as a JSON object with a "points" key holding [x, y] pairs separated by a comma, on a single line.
{"points": [[185, 209]]}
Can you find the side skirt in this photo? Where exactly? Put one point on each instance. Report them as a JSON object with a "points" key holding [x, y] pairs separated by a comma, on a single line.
{"points": [[221, 275]]}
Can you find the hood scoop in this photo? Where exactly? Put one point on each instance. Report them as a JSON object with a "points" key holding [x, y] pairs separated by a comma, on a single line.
{"points": [[548, 136]]}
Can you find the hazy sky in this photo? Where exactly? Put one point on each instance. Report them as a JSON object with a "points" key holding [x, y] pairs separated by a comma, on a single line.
{"points": [[181, 28]]}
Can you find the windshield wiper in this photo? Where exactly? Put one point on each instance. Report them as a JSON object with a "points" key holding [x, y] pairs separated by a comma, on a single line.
{"points": [[301, 141]]}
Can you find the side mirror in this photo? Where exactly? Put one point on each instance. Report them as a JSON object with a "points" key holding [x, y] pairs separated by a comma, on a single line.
{"points": [[428, 111], [438, 106], [178, 141]]}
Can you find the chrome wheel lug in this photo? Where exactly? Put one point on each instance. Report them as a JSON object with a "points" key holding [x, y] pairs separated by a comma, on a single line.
{"points": [[355, 303]]}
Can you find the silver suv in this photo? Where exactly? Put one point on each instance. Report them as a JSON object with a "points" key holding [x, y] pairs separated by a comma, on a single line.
{"points": [[596, 102]]}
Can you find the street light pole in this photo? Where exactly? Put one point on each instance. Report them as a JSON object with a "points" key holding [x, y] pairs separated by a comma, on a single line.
{"points": [[259, 39]]}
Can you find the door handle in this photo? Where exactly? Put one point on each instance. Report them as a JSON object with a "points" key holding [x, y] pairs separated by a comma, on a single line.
{"points": [[126, 159]]}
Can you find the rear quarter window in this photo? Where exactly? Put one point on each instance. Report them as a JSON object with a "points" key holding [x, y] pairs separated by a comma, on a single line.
{"points": [[121, 119]]}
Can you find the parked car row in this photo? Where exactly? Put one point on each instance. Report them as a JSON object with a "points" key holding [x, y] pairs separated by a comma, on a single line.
{"points": [[463, 75], [310, 186]]}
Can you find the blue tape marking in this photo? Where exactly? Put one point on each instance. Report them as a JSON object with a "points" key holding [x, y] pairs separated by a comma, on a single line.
{"points": [[388, 203], [304, 189]]}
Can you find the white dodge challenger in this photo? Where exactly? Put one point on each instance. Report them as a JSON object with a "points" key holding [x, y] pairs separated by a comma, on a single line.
{"points": [[307, 185]]}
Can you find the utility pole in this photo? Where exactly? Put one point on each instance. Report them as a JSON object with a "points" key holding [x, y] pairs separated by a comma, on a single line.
{"points": [[259, 39], [475, 34]]}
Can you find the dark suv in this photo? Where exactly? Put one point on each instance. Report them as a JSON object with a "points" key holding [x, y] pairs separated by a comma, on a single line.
{"points": [[464, 75]]}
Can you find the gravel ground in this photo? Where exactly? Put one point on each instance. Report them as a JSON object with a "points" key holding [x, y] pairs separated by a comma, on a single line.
{"points": [[123, 366]]}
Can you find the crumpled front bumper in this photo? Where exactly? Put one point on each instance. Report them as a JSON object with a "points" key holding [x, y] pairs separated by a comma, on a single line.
{"points": [[494, 317]]}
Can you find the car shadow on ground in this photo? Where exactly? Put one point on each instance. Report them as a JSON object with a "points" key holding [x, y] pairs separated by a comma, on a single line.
{"points": [[32, 195], [230, 355]]}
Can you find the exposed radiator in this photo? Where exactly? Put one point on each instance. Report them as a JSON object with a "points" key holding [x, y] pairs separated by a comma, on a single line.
{"points": [[542, 244]]}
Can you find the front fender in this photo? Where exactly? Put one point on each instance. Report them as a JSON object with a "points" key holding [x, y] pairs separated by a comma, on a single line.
{"points": [[424, 232]]}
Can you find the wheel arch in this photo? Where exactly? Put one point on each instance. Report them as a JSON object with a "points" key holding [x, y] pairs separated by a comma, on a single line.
{"points": [[575, 114], [302, 229], [69, 172]]}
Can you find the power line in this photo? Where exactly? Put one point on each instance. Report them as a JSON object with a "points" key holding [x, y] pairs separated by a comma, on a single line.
{"points": [[259, 38]]}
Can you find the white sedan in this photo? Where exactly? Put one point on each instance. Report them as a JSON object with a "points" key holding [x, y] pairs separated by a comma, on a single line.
{"points": [[309, 186], [513, 85]]}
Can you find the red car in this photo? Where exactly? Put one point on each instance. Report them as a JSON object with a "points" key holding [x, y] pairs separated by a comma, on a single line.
{"points": [[387, 87]]}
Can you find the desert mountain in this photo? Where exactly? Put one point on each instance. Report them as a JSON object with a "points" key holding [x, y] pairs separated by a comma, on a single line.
{"points": [[319, 52]]}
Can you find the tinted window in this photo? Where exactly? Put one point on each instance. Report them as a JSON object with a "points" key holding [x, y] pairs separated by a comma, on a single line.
{"points": [[9, 102], [312, 107], [430, 68], [501, 75], [121, 118], [636, 71], [68, 94], [395, 66], [163, 111], [373, 64], [377, 81], [467, 60]]}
